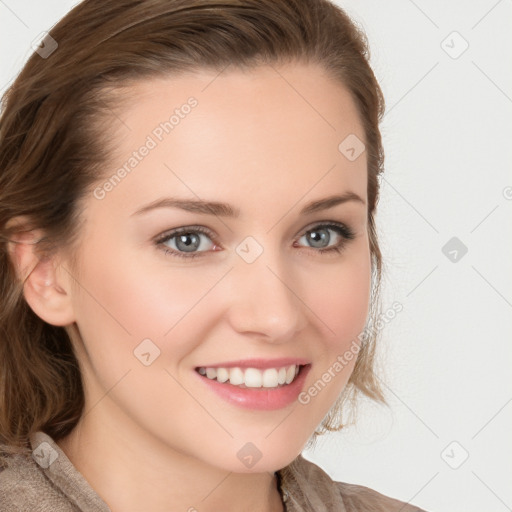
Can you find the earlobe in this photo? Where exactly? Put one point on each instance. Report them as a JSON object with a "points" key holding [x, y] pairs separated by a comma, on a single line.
{"points": [[46, 290]]}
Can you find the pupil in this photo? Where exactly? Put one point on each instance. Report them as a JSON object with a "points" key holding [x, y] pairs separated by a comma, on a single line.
{"points": [[318, 237], [190, 245]]}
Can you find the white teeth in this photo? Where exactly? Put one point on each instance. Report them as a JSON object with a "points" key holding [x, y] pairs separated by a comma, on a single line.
{"points": [[252, 377], [222, 374], [236, 376], [270, 378], [290, 374]]}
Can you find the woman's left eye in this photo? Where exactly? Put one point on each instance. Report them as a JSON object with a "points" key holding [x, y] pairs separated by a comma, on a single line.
{"points": [[319, 236], [187, 241]]}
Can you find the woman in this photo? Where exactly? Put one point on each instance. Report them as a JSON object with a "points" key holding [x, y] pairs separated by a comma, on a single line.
{"points": [[189, 257]]}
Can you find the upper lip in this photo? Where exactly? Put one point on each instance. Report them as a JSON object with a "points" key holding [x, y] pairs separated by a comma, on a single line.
{"points": [[258, 363]]}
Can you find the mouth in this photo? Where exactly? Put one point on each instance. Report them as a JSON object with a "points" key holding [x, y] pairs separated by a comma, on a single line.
{"points": [[258, 383], [267, 378]]}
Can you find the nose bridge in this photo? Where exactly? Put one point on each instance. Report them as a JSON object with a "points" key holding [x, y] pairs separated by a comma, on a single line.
{"points": [[263, 300]]}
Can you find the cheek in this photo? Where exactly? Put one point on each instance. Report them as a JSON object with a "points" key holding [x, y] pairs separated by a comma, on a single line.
{"points": [[340, 296], [341, 299], [123, 302], [127, 303]]}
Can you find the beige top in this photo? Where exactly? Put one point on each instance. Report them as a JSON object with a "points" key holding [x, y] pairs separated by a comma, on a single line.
{"points": [[47, 481]]}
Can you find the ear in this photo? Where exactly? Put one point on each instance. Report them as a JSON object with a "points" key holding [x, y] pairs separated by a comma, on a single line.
{"points": [[46, 284]]}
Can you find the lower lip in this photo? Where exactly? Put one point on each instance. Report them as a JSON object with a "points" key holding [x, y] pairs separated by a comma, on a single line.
{"points": [[263, 399]]}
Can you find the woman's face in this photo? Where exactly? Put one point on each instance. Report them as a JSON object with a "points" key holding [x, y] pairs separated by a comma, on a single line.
{"points": [[251, 289]]}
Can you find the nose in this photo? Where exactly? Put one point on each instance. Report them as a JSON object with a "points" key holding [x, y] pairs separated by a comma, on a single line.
{"points": [[265, 299]]}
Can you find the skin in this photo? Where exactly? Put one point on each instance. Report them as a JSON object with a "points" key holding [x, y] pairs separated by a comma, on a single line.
{"points": [[152, 438]]}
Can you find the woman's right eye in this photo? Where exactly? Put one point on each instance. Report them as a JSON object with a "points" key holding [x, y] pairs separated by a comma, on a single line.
{"points": [[186, 242]]}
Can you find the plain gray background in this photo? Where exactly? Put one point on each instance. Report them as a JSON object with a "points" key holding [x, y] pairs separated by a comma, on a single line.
{"points": [[445, 69]]}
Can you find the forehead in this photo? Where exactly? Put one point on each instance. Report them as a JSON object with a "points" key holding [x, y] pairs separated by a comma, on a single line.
{"points": [[271, 132]]}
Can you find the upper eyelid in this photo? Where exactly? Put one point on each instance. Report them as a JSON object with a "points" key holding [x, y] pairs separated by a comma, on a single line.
{"points": [[186, 229]]}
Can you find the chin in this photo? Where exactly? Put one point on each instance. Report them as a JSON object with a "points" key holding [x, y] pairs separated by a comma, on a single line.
{"points": [[258, 456]]}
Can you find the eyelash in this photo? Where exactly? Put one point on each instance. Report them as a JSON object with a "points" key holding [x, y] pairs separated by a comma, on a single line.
{"points": [[344, 231]]}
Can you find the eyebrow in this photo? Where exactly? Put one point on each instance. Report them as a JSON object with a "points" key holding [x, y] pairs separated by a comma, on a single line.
{"points": [[226, 210]]}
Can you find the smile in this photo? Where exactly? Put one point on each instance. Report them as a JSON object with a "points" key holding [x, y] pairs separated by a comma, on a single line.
{"points": [[269, 388], [252, 377]]}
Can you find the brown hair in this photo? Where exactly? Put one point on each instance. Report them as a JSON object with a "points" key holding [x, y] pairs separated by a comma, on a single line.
{"points": [[51, 155]]}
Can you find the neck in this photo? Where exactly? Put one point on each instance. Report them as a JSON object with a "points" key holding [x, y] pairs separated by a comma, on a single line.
{"points": [[131, 471]]}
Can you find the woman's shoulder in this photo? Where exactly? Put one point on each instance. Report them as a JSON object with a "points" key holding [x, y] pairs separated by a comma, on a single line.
{"points": [[357, 496], [44, 480], [306, 486], [24, 487]]}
